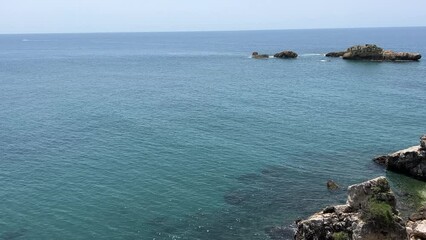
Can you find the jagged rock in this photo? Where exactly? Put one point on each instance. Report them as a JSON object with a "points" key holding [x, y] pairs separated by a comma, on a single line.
{"points": [[423, 142], [359, 195], [354, 218], [366, 52], [419, 215], [256, 55], [331, 185], [416, 225], [329, 209], [335, 54], [286, 54], [410, 161], [374, 53]]}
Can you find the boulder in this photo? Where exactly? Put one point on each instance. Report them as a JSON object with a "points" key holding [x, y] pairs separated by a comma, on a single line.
{"points": [[331, 185], [286, 54], [374, 53], [256, 55], [359, 218], [423, 142], [410, 161], [416, 225]]}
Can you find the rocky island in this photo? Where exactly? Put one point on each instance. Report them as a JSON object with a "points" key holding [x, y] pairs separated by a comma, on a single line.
{"points": [[410, 161], [256, 55], [283, 54], [372, 52], [286, 54]]}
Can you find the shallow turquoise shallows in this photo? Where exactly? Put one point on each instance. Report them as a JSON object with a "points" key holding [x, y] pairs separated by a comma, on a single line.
{"points": [[183, 136]]}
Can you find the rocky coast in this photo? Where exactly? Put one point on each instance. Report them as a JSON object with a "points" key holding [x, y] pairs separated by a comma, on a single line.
{"points": [[370, 212], [410, 161]]}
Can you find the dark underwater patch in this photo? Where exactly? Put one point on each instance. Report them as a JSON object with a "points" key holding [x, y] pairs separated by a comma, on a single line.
{"points": [[13, 235]]}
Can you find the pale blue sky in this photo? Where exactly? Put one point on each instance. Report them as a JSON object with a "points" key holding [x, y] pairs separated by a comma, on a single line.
{"points": [[47, 16]]}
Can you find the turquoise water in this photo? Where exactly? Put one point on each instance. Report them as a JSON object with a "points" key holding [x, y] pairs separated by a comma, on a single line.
{"points": [[183, 136]]}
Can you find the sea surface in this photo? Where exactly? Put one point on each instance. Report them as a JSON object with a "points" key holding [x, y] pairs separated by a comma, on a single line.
{"points": [[183, 136]]}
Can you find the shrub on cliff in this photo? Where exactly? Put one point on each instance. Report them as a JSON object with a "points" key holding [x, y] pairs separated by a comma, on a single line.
{"points": [[380, 213], [340, 236]]}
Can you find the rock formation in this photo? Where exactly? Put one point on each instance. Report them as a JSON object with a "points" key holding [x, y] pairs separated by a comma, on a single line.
{"points": [[369, 214], [410, 161], [331, 185], [374, 53], [416, 225], [256, 55], [286, 54]]}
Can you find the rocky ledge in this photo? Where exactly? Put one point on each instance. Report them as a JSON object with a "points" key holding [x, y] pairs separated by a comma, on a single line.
{"points": [[410, 161], [335, 54], [369, 214], [374, 53]]}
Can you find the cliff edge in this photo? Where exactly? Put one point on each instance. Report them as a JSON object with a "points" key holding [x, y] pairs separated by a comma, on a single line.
{"points": [[369, 214]]}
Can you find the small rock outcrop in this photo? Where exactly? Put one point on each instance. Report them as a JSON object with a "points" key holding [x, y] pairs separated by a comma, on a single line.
{"points": [[286, 54], [369, 214], [374, 53], [256, 55], [416, 225], [332, 185], [410, 161], [423, 142]]}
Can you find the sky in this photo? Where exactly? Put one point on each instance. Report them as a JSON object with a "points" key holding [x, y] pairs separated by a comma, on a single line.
{"points": [[79, 16]]}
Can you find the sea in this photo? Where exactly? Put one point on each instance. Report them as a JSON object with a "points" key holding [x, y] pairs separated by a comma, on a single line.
{"points": [[183, 136]]}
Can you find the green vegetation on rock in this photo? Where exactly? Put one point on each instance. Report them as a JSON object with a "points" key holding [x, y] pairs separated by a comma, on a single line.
{"points": [[340, 236], [380, 213]]}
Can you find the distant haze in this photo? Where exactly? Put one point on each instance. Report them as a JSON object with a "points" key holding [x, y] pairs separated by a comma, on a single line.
{"points": [[57, 16]]}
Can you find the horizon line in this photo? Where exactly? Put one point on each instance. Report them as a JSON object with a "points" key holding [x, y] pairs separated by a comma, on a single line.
{"points": [[201, 31]]}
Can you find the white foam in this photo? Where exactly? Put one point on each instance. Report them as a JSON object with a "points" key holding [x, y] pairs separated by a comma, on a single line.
{"points": [[311, 54], [29, 40]]}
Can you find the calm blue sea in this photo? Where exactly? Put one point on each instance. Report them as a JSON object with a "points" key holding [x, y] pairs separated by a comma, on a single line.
{"points": [[183, 136]]}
